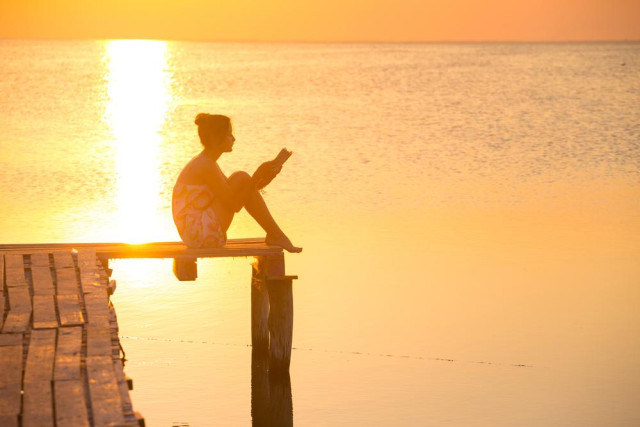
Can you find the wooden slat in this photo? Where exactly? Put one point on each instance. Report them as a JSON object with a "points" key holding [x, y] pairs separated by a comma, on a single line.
{"points": [[63, 259], [185, 253], [16, 323], [234, 247], [69, 310], [38, 404], [41, 355], [42, 281], [71, 408], [98, 341], [14, 277], [9, 421], [1, 309], [98, 246], [10, 380], [38, 373], [66, 281], [44, 312], [87, 259], [91, 281], [14, 261], [19, 300], [106, 404], [40, 259], [19, 316], [68, 352], [11, 340], [97, 306]]}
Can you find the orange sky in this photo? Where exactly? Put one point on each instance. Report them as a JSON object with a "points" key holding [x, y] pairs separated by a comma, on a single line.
{"points": [[324, 20]]}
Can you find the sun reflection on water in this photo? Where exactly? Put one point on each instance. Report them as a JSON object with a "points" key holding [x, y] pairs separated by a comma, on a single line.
{"points": [[138, 83]]}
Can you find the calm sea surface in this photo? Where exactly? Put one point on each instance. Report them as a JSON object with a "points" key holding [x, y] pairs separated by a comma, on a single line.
{"points": [[470, 217]]}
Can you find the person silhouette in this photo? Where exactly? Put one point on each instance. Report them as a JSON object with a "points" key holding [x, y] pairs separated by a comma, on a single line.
{"points": [[205, 200]]}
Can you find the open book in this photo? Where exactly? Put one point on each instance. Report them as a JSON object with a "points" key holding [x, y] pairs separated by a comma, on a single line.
{"points": [[282, 157], [268, 170]]}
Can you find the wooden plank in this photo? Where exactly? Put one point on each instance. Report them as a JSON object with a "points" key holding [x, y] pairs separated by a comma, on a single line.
{"points": [[42, 281], [233, 248], [106, 404], [14, 277], [63, 259], [66, 281], [16, 323], [38, 404], [91, 281], [189, 253], [1, 309], [68, 353], [14, 261], [11, 340], [44, 312], [41, 355], [10, 380], [40, 259], [99, 246], [38, 373], [69, 310], [71, 408], [19, 300], [98, 341], [9, 420], [97, 306], [87, 259]]}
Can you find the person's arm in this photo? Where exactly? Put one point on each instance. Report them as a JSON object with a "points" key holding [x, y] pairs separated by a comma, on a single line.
{"points": [[265, 174]]}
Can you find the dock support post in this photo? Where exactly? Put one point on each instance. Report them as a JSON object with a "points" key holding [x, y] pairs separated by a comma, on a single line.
{"points": [[280, 314], [272, 310], [271, 397], [259, 307]]}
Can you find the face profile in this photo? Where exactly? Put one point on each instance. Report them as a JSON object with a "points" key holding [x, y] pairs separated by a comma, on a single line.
{"points": [[229, 139]]}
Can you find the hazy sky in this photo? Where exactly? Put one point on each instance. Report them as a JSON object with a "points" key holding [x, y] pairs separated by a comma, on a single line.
{"points": [[323, 20]]}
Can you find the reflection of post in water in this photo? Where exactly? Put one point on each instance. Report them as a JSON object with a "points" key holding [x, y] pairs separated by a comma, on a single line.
{"points": [[271, 399], [271, 330]]}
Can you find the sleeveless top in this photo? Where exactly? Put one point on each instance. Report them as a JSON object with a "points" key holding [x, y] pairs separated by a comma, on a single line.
{"points": [[195, 219]]}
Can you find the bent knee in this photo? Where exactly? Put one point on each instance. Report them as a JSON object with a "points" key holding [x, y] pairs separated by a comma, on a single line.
{"points": [[239, 179], [240, 175]]}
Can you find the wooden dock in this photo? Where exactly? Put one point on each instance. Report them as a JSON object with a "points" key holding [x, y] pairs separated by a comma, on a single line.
{"points": [[59, 346]]}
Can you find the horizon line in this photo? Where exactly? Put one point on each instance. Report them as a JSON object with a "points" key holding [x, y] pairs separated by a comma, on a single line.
{"points": [[302, 41]]}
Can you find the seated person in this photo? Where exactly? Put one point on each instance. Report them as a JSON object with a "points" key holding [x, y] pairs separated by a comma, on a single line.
{"points": [[205, 200]]}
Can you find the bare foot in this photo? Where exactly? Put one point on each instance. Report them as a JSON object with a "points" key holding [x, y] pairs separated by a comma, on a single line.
{"points": [[282, 241]]}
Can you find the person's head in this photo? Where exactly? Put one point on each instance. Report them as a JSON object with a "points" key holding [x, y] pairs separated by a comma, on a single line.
{"points": [[215, 131]]}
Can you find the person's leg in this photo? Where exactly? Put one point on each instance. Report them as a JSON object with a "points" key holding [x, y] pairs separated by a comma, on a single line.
{"points": [[257, 208]]}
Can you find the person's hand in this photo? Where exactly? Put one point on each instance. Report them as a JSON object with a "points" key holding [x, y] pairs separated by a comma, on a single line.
{"points": [[265, 174]]}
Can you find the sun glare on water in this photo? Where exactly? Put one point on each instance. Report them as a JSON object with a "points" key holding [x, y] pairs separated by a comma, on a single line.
{"points": [[138, 99]]}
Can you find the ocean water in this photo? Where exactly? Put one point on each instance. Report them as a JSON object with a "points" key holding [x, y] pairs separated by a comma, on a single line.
{"points": [[470, 217]]}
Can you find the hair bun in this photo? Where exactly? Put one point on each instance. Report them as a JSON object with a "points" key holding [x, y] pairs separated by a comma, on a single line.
{"points": [[201, 118]]}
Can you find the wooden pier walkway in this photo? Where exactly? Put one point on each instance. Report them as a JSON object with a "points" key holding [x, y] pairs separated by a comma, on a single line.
{"points": [[59, 345]]}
